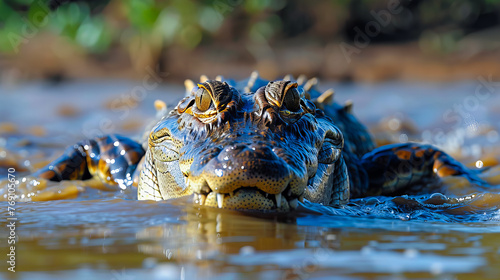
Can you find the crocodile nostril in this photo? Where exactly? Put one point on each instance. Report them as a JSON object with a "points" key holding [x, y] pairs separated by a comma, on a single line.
{"points": [[248, 151]]}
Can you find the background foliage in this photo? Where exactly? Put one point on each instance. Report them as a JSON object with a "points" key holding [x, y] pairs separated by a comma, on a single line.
{"points": [[145, 30], [98, 25]]}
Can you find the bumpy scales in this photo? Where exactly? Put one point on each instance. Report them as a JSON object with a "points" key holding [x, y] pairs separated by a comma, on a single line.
{"points": [[258, 145]]}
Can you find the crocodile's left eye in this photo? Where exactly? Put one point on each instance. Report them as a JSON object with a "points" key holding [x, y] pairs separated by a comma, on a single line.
{"points": [[285, 97], [203, 99], [291, 100]]}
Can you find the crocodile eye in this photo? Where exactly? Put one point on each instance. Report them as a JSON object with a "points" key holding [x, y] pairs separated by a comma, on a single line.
{"points": [[203, 99], [292, 99]]}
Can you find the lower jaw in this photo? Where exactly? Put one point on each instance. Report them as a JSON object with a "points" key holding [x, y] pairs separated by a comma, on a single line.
{"points": [[246, 199]]}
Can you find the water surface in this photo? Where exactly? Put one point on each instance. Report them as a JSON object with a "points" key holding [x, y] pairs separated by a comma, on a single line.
{"points": [[86, 230]]}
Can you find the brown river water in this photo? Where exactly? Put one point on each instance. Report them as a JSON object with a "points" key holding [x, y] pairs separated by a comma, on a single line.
{"points": [[87, 230]]}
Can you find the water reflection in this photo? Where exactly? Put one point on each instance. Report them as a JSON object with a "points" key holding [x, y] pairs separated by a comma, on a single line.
{"points": [[174, 239], [229, 239]]}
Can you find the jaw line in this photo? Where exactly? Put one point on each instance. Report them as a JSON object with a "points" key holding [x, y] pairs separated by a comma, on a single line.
{"points": [[220, 198]]}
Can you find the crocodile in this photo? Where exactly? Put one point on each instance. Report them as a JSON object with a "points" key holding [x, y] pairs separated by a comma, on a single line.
{"points": [[258, 145]]}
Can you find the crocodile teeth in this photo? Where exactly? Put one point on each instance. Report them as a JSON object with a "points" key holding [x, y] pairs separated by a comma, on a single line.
{"points": [[202, 198], [278, 200], [220, 200], [293, 203]]}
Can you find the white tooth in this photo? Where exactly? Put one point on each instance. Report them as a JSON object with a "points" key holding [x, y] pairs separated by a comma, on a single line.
{"points": [[278, 200], [220, 200], [293, 203], [203, 197]]}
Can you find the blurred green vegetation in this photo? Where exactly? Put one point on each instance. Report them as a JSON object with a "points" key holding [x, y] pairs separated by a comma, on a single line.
{"points": [[98, 26]]}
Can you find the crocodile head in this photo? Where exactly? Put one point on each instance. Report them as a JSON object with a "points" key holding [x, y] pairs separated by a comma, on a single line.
{"points": [[258, 151]]}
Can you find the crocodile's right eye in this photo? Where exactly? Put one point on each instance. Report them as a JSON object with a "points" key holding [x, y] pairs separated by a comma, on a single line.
{"points": [[203, 99]]}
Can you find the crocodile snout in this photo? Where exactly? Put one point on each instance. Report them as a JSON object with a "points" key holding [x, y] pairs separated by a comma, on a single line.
{"points": [[240, 172]]}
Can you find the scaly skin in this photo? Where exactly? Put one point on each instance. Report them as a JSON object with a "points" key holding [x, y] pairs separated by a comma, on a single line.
{"points": [[260, 145], [112, 158], [236, 153]]}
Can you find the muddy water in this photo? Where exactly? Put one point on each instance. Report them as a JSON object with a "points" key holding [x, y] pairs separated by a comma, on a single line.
{"points": [[87, 230]]}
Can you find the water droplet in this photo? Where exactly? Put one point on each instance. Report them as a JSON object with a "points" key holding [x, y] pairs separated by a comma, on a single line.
{"points": [[219, 172], [439, 196]]}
